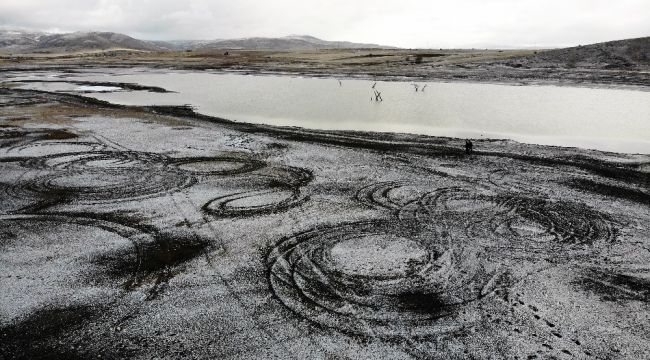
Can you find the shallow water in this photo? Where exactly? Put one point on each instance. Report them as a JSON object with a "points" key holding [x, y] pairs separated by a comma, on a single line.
{"points": [[606, 119]]}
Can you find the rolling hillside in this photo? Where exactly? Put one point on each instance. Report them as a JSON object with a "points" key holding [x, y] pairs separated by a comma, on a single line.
{"points": [[35, 42]]}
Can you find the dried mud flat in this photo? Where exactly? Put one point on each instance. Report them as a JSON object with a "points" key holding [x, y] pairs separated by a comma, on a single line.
{"points": [[155, 232]]}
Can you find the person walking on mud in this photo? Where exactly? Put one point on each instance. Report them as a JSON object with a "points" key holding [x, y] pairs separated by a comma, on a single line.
{"points": [[469, 147]]}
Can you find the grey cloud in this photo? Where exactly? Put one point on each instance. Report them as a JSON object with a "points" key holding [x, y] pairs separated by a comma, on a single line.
{"points": [[407, 23]]}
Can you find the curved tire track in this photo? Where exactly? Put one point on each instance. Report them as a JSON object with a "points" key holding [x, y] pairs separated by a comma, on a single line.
{"points": [[424, 297]]}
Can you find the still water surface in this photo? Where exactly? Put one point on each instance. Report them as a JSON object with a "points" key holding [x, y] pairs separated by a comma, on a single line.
{"points": [[607, 119]]}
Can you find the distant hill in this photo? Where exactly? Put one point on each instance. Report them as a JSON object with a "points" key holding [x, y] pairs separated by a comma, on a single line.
{"points": [[35, 42], [293, 42], [79, 41], [18, 40], [621, 54], [25, 42], [618, 54], [179, 45]]}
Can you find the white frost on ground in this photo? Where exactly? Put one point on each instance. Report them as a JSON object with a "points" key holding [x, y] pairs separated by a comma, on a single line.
{"points": [[278, 247]]}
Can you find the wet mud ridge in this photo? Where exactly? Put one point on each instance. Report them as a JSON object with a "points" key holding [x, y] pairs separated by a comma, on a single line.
{"points": [[120, 85], [155, 232]]}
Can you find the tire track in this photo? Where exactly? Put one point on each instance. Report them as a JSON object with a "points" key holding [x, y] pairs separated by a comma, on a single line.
{"points": [[422, 295]]}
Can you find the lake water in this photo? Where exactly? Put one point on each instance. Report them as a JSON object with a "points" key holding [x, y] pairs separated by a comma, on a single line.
{"points": [[606, 119]]}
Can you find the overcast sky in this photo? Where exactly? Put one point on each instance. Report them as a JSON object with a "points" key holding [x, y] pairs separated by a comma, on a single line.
{"points": [[404, 23]]}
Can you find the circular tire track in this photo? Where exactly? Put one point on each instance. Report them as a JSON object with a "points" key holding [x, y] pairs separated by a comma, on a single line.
{"points": [[512, 222], [282, 192], [98, 160], [15, 200], [48, 148], [446, 202], [254, 202], [96, 186], [15, 138], [378, 195], [98, 176], [225, 165], [398, 197], [512, 182], [380, 279], [561, 222]]}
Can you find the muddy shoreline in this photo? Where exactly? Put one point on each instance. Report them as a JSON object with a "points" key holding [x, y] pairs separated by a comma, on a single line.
{"points": [[140, 232], [121, 85], [491, 66], [586, 79]]}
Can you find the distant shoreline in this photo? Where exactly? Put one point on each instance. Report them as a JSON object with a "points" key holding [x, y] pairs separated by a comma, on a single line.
{"points": [[612, 82]]}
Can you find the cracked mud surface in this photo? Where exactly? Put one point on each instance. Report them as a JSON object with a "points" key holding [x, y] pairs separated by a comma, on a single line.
{"points": [[155, 232]]}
